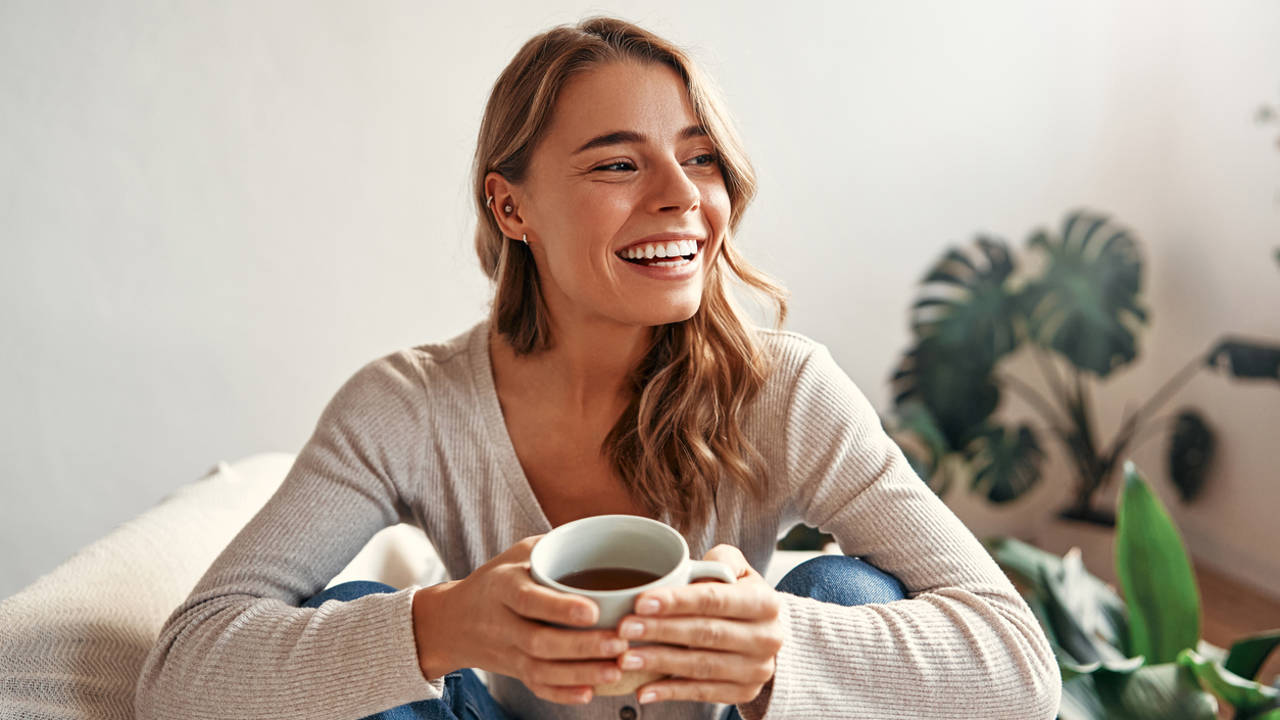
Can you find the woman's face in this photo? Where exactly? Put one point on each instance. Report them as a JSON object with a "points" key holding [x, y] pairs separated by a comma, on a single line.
{"points": [[624, 169]]}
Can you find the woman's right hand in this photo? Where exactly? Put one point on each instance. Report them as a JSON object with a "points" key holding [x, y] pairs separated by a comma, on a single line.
{"points": [[494, 619]]}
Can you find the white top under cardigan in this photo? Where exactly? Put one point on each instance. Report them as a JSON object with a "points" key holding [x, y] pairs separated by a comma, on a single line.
{"points": [[418, 436]]}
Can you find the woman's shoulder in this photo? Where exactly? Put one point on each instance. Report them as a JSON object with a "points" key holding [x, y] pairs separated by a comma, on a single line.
{"points": [[801, 367], [787, 350], [435, 367]]}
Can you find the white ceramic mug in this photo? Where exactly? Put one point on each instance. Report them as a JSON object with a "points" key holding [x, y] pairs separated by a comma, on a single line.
{"points": [[621, 541]]}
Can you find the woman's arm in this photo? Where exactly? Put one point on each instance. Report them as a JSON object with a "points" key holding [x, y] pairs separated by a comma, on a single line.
{"points": [[964, 644], [239, 646]]}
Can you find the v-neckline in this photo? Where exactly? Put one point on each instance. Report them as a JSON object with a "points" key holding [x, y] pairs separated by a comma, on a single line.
{"points": [[486, 392], [496, 424]]}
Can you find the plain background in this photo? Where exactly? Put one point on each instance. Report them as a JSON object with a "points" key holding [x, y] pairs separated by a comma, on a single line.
{"points": [[213, 213]]}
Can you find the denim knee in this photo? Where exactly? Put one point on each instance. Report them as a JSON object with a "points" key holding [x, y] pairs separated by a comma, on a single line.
{"points": [[842, 580], [348, 591]]}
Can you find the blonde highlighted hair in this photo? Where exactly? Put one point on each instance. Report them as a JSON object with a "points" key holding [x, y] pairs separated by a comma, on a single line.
{"points": [[682, 429]]}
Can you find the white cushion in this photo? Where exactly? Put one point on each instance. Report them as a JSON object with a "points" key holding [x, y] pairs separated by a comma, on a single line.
{"points": [[73, 642]]}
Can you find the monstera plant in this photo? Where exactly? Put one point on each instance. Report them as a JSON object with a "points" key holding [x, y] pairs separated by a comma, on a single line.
{"points": [[1075, 306], [1141, 657]]}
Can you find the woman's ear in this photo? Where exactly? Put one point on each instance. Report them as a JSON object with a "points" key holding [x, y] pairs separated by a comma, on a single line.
{"points": [[505, 205]]}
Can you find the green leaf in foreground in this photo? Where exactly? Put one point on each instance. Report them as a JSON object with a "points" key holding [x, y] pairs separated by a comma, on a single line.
{"points": [[1248, 655], [1155, 692], [1155, 575], [1246, 696]]}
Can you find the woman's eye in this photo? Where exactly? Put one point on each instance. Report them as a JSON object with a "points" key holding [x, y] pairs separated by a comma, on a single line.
{"points": [[706, 158], [620, 165]]}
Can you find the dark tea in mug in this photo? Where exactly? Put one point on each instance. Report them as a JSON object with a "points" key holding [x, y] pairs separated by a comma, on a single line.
{"points": [[608, 578]]}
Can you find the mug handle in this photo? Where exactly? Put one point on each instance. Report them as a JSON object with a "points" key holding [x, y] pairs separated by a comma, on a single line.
{"points": [[710, 569]]}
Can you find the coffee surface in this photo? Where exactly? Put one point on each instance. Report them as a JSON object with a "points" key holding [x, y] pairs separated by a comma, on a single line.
{"points": [[608, 578]]}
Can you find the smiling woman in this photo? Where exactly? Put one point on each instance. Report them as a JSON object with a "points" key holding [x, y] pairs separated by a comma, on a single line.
{"points": [[614, 375], [625, 200]]}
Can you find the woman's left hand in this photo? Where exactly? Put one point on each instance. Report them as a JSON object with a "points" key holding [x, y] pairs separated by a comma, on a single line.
{"points": [[730, 635]]}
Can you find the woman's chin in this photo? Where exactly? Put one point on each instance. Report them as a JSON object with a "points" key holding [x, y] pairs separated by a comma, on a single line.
{"points": [[672, 312]]}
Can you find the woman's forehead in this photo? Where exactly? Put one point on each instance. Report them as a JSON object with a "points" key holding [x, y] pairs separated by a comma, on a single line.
{"points": [[648, 100]]}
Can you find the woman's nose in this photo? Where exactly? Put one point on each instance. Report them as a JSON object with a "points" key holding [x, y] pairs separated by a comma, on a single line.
{"points": [[672, 189]]}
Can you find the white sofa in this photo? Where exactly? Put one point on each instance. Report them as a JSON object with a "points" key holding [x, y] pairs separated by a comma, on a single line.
{"points": [[73, 642]]}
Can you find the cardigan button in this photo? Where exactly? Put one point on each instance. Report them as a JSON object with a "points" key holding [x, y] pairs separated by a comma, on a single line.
{"points": [[627, 713]]}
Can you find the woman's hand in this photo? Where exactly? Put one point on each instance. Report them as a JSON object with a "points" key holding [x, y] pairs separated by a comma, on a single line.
{"points": [[731, 636], [494, 619]]}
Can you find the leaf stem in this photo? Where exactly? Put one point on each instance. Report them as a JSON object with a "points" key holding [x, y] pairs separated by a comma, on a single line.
{"points": [[1052, 415]]}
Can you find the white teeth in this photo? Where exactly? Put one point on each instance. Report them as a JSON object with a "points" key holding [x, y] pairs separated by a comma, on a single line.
{"points": [[662, 250]]}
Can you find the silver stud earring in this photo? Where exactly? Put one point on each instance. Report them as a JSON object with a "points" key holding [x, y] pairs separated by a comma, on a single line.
{"points": [[524, 238], [507, 209]]}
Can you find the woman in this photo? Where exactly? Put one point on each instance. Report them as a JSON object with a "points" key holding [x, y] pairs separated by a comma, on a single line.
{"points": [[614, 375]]}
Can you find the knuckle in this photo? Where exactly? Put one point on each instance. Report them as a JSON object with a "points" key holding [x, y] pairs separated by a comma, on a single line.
{"points": [[761, 676], [746, 693], [523, 599], [703, 667], [715, 601], [770, 605], [708, 635], [775, 641]]}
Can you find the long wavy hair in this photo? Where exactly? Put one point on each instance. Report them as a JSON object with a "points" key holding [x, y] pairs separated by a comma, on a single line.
{"points": [[683, 427]]}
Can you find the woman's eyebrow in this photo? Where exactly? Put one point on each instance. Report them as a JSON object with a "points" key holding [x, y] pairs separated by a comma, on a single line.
{"points": [[618, 137]]}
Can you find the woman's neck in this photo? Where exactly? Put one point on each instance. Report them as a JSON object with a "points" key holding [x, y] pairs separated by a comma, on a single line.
{"points": [[583, 375]]}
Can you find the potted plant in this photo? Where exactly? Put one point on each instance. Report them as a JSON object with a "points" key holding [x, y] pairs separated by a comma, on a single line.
{"points": [[1140, 657], [1081, 306]]}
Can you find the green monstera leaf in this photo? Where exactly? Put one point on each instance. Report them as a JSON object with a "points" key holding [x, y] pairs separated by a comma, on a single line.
{"points": [[1085, 304], [958, 398], [1005, 463], [964, 322], [967, 306]]}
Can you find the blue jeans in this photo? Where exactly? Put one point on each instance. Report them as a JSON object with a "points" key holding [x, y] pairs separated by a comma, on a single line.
{"points": [[835, 579]]}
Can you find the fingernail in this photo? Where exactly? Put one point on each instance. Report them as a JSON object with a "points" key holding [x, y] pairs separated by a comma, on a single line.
{"points": [[632, 662], [648, 696], [648, 606], [632, 629]]}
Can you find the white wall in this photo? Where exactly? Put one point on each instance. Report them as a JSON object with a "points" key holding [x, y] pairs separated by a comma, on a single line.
{"points": [[213, 213]]}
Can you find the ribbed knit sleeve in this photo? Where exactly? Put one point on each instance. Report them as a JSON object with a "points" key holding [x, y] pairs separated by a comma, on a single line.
{"points": [[240, 647], [963, 645]]}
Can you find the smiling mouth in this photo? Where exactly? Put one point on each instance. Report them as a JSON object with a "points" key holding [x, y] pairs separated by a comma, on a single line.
{"points": [[672, 261]]}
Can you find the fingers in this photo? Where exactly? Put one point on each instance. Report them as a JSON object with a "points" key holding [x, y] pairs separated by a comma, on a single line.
{"points": [[698, 690], [731, 556], [699, 664], [533, 601], [563, 695], [551, 643], [564, 674], [746, 599], [747, 638]]}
